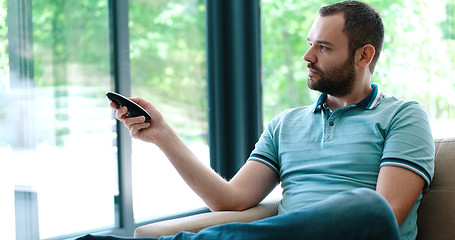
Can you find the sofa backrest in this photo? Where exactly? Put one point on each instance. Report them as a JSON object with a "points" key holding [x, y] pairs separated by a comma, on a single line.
{"points": [[436, 214]]}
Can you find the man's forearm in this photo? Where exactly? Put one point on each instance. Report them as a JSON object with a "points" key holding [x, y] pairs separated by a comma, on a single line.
{"points": [[212, 188]]}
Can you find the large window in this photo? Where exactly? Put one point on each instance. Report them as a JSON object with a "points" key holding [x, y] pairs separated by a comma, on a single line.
{"points": [[59, 144], [167, 53], [59, 156], [417, 63], [58, 161]]}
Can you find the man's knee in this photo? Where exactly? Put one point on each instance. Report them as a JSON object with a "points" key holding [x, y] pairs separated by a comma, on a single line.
{"points": [[371, 207], [371, 198], [370, 202]]}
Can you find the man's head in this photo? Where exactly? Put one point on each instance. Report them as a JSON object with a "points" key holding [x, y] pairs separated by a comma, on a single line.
{"points": [[343, 50], [363, 25]]}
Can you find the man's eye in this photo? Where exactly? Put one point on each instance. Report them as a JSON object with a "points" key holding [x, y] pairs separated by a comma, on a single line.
{"points": [[323, 47]]}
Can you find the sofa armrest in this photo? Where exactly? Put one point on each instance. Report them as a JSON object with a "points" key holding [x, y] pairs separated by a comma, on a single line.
{"points": [[198, 222]]}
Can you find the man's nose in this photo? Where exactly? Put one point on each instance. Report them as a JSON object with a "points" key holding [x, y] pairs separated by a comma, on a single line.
{"points": [[309, 56]]}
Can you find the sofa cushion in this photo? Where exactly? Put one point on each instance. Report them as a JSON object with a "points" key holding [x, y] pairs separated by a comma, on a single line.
{"points": [[436, 215]]}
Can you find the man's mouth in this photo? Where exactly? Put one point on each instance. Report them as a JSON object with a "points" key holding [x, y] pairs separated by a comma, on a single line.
{"points": [[312, 70]]}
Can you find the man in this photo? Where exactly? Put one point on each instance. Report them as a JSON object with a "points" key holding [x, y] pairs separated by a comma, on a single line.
{"points": [[352, 165]]}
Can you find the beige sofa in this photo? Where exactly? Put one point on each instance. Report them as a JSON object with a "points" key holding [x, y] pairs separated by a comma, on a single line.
{"points": [[436, 218]]}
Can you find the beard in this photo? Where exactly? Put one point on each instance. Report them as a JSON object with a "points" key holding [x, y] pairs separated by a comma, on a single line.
{"points": [[336, 81]]}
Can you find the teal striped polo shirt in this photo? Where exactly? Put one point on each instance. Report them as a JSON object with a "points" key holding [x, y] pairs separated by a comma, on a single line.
{"points": [[318, 152]]}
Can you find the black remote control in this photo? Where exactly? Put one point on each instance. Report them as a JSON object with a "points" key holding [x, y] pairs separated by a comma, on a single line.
{"points": [[134, 110]]}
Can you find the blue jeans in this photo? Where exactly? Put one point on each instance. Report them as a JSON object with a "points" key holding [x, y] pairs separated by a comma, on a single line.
{"points": [[358, 214]]}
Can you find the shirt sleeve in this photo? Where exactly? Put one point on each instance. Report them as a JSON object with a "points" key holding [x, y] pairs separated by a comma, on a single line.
{"points": [[409, 143], [266, 149]]}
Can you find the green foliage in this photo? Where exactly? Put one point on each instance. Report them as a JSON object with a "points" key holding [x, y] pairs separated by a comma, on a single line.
{"points": [[70, 36], [448, 25], [167, 42], [167, 50], [4, 63]]}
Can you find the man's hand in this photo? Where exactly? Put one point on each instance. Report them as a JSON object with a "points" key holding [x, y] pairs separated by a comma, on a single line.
{"points": [[149, 131]]}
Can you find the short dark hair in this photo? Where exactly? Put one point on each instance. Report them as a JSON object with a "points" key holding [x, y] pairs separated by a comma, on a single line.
{"points": [[363, 25]]}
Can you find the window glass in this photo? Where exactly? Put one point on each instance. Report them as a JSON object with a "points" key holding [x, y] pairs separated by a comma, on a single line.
{"points": [[6, 183], [417, 62], [58, 159], [167, 51]]}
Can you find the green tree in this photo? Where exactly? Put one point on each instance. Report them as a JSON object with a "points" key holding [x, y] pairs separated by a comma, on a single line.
{"points": [[70, 41], [167, 47], [4, 66]]}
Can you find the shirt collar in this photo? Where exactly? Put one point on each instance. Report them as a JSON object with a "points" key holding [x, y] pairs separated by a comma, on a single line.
{"points": [[369, 102]]}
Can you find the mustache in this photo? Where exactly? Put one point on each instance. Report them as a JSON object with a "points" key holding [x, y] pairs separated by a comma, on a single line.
{"points": [[314, 68]]}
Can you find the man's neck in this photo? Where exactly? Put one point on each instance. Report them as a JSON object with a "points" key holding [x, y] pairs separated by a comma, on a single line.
{"points": [[355, 96]]}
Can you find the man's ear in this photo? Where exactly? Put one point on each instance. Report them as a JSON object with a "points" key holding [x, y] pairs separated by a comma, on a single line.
{"points": [[364, 55]]}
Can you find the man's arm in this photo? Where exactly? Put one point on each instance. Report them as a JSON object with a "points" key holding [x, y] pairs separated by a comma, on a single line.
{"points": [[248, 187], [400, 187]]}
